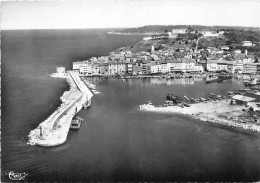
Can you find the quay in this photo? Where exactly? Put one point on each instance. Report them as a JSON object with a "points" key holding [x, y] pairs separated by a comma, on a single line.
{"points": [[54, 130]]}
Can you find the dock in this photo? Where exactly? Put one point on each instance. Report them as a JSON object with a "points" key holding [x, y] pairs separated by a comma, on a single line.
{"points": [[54, 130]]}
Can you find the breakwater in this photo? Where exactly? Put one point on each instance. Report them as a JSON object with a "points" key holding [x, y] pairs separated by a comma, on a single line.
{"points": [[54, 130]]}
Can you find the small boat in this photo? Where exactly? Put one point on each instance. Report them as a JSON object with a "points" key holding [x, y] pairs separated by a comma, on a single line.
{"points": [[230, 93], [212, 94], [202, 99], [192, 100], [87, 104], [181, 105], [150, 103], [213, 79], [186, 104], [225, 76], [251, 83], [218, 97], [76, 123], [186, 98]]}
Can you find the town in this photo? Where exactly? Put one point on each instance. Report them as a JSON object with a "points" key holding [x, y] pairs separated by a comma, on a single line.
{"points": [[178, 51]]}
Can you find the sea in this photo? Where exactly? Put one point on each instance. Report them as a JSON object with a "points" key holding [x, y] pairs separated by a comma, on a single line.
{"points": [[116, 141]]}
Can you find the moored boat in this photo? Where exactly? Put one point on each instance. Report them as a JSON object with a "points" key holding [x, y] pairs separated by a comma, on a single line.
{"points": [[186, 104], [87, 104], [76, 123], [213, 79]]}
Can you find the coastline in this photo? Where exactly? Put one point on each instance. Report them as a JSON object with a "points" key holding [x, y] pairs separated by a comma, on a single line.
{"points": [[54, 130], [219, 113], [140, 34]]}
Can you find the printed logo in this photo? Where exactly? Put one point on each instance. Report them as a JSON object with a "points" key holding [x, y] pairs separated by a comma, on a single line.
{"points": [[16, 176]]}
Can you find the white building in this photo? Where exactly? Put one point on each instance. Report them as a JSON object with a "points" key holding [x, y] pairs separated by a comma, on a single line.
{"points": [[212, 33], [121, 68], [179, 31], [247, 43], [198, 68], [76, 65], [85, 69], [112, 68], [156, 69]]}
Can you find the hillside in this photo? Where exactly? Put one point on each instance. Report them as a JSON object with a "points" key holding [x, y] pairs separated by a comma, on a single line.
{"points": [[162, 28]]}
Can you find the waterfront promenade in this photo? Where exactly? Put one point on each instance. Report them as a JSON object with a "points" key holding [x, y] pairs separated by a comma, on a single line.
{"points": [[54, 130]]}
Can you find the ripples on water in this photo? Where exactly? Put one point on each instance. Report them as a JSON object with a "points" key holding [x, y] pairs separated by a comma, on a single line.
{"points": [[116, 142]]}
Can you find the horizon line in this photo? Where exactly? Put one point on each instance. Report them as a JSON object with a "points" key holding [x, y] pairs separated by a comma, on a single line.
{"points": [[132, 27]]}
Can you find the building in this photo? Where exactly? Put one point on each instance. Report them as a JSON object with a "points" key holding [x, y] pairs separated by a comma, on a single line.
{"points": [[188, 65], [250, 68], [156, 68], [238, 67], [137, 68], [96, 69], [211, 34], [247, 43], [179, 31], [237, 51], [198, 68], [76, 65], [85, 69], [174, 66], [121, 68], [104, 68], [164, 68], [212, 66], [112, 68], [220, 65], [129, 68]]}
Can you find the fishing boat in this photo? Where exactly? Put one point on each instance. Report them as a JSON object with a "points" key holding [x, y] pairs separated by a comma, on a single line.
{"points": [[230, 93], [186, 104], [213, 79], [225, 76], [186, 98], [181, 105], [202, 99], [251, 83], [218, 97], [192, 100]]}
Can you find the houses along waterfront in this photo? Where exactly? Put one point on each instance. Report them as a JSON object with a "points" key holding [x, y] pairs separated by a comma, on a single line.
{"points": [[181, 54]]}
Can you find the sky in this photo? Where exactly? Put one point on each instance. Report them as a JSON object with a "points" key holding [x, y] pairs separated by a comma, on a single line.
{"points": [[127, 13]]}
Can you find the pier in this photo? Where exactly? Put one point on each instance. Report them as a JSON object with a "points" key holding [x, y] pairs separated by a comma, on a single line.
{"points": [[54, 130]]}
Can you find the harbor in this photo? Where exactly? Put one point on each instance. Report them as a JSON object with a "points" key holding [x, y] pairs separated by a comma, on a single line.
{"points": [[54, 130], [235, 109], [151, 146]]}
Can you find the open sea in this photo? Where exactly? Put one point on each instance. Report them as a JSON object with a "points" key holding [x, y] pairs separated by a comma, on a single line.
{"points": [[116, 141]]}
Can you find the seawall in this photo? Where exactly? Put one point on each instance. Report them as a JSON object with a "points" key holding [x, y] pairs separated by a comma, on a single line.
{"points": [[54, 130]]}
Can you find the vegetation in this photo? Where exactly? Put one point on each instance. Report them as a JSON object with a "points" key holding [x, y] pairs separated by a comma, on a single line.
{"points": [[237, 36]]}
